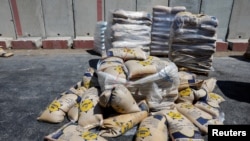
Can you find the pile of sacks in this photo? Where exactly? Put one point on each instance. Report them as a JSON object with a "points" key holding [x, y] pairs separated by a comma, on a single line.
{"points": [[130, 29], [132, 89], [192, 42], [163, 17]]}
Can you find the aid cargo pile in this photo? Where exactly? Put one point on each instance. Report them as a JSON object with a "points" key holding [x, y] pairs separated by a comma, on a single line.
{"points": [[131, 90]]}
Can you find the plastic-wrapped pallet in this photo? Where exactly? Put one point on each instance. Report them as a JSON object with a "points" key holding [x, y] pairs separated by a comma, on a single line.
{"points": [[99, 37], [163, 17], [131, 29], [192, 42]]}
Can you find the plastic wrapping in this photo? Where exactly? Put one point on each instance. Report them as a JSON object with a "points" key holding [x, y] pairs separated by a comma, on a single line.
{"points": [[130, 44], [131, 21], [130, 29], [159, 88], [192, 41], [99, 37], [163, 17]]}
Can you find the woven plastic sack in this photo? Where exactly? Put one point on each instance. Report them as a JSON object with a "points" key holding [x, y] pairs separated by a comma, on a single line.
{"points": [[73, 132], [215, 112], [214, 99], [105, 98], [88, 78], [151, 128], [116, 71], [186, 95], [179, 127], [130, 27], [128, 53], [87, 81], [55, 112], [131, 21], [73, 113], [200, 118], [135, 15], [122, 101], [118, 125], [90, 111], [109, 81], [109, 62], [139, 69], [188, 79]]}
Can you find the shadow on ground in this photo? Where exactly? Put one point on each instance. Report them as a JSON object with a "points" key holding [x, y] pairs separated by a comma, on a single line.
{"points": [[92, 52], [93, 63], [235, 90], [240, 57]]}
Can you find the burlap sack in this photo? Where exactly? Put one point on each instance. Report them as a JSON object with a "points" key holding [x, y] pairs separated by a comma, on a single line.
{"points": [[179, 127], [151, 128], [117, 125], [185, 95], [55, 112], [116, 71], [73, 132], [122, 101], [73, 113], [200, 118], [128, 53], [214, 99], [90, 111], [207, 108], [109, 62]]}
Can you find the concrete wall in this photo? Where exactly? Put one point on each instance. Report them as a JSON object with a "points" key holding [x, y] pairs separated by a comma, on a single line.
{"points": [[6, 20], [87, 13], [58, 17], [73, 18], [222, 11], [146, 5], [192, 6], [31, 18], [239, 27], [118, 4]]}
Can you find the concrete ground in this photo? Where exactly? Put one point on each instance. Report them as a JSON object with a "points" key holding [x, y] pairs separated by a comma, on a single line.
{"points": [[31, 79]]}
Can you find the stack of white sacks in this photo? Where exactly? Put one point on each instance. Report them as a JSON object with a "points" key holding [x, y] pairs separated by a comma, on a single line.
{"points": [[192, 43], [161, 24], [130, 29], [99, 37]]}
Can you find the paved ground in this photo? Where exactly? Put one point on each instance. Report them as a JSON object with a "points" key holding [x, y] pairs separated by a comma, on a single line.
{"points": [[32, 79]]}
